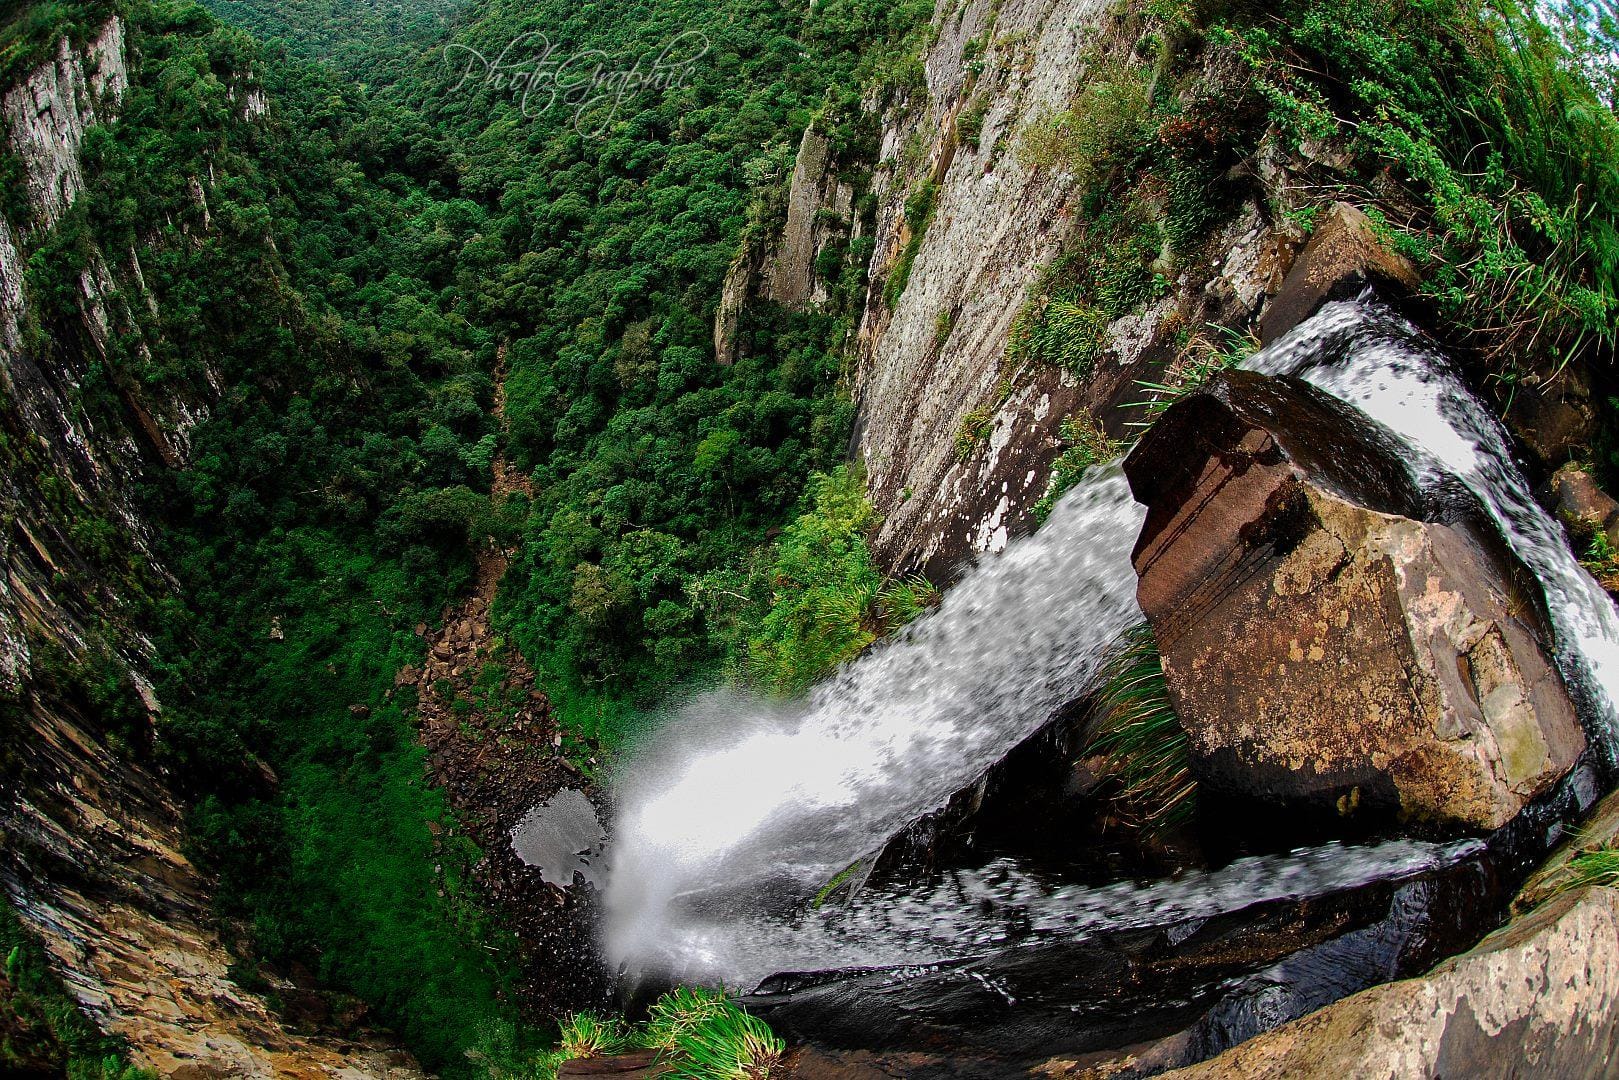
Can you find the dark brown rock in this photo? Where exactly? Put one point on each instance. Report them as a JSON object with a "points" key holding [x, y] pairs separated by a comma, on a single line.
{"points": [[1344, 254], [1554, 418], [1583, 506], [1330, 644], [641, 1063]]}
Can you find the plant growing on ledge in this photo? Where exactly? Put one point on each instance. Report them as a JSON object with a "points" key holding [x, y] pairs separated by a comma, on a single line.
{"points": [[698, 1034], [1136, 730], [1199, 362], [1086, 444]]}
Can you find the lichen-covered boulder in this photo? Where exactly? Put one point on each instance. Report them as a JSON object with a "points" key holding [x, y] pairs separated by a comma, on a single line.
{"points": [[1333, 640]]}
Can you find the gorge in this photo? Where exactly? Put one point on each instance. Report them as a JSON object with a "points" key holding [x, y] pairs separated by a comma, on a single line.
{"points": [[977, 538]]}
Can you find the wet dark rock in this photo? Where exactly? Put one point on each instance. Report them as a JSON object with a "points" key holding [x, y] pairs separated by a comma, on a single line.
{"points": [[1334, 642], [1344, 256], [1199, 985]]}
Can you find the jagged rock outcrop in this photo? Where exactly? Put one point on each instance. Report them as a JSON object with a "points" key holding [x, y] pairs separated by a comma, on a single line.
{"points": [[1584, 507], [958, 435], [48, 114], [1344, 255], [791, 274], [819, 213], [1331, 639], [91, 851]]}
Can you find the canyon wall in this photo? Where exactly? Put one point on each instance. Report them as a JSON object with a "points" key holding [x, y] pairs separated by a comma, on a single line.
{"points": [[957, 433], [93, 859]]}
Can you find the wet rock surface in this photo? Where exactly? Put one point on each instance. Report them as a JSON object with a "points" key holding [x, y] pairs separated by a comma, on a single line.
{"points": [[1344, 256], [1332, 640], [1583, 507], [1540, 998]]}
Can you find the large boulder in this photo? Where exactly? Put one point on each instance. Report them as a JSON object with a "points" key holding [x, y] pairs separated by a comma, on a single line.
{"points": [[1334, 640], [1345, 255]]}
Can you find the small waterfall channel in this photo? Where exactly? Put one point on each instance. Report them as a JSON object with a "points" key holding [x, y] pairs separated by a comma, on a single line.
{"points": [[735, 818]]}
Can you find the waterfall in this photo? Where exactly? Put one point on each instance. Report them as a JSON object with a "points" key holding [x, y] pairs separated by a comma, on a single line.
{"points": [[760, 800], [743, 808]]}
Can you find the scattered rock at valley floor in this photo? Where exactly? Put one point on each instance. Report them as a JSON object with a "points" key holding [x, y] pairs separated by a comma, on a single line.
{"points": [[1333, 640]]}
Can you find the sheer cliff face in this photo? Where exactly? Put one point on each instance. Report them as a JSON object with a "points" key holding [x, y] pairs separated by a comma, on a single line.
{"points": [[91, 837], [958, 440]]}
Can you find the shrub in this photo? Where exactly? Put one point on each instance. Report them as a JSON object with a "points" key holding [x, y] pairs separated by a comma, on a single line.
{"points": [[828, 601], [970, 121]]}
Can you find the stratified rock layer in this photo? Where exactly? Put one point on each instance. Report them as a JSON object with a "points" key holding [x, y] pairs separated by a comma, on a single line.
{"points": [[1331, 641]]}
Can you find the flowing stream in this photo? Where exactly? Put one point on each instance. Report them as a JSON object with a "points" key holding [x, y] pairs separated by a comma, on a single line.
{"points": [[744, 809]]}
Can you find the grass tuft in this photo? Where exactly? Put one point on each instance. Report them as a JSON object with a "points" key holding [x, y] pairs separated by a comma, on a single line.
{"points": [[1200, 361], [1137, 732], [725, 1043], [699, 1034], [586, 1035]]}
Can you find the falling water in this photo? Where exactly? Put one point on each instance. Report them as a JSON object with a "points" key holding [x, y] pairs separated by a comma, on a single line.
{"points": [[772, 801], [745, 808]]}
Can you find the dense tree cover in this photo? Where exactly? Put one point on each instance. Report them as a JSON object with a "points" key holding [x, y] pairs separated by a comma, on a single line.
{"points": [[654, 468], [347, 269], [28, 32], [369, 40]]}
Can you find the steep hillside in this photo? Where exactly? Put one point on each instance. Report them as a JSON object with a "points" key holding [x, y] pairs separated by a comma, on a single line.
{"points": [[1089, 203], [96, 403]]}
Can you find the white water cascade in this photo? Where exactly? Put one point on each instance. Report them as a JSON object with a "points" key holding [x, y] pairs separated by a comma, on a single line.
{"points": [[742, 809]]}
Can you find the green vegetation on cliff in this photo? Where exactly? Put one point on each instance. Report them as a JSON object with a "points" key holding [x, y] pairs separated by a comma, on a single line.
{"points": [[1469, 129], [42, 1031], [347, 267]]}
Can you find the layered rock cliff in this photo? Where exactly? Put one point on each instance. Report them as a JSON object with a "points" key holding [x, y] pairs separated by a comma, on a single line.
{"points": [[93, 853]]}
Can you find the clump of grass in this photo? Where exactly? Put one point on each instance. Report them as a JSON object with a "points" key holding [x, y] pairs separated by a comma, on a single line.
{"points": [[678, 1012], [1202, 359], [1106, 125], [841, 878], [724, 1043], [1085, 445], [973, 431], [1599, 867], [1138, 734], [699, 1034], [586, 1034]]}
